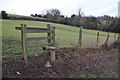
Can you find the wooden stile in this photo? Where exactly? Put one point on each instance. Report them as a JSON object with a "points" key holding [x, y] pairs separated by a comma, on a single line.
{"points": [[50, 37]]}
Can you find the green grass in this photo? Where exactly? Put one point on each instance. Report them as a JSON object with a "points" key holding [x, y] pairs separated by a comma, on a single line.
{"points": [[88, 76], [65, 35]]}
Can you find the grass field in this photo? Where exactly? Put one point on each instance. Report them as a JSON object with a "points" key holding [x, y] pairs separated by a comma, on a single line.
{"points": [[65, 35]]}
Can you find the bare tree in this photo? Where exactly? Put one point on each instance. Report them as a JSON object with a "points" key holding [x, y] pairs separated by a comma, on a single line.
{"points": [[79, 15], [79, 12], [53, 14]]}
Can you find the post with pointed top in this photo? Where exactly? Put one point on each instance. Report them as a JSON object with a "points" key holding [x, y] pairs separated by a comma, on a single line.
{"points": [[80, 38], [23, 37]]}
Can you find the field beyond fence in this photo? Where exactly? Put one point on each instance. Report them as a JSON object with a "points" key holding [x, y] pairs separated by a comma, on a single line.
{"points": [[65, 35]]}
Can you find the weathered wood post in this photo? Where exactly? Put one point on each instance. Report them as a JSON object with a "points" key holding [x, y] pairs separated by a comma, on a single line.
{"points": [[52, 40], [107, 37], [53, 36], [97, 38], [24, 38], [49, 34], [114, 36], [80, 38]]}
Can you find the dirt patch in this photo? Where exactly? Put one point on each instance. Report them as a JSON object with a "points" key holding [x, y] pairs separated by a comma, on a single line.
{"points": [[70, 62]]}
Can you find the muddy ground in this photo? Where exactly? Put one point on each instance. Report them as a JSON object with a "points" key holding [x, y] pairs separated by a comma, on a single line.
{"points": [[99, 62]]}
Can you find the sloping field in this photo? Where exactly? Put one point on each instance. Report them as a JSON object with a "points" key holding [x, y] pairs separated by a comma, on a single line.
{"points": [[65, 35]]}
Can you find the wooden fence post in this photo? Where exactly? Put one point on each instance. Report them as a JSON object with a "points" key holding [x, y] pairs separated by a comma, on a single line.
{"points": [[107, 37], [23, 37], [49, 34], [114, 36], [97, 38], [80, 38], [118, 35], [53, 36]]}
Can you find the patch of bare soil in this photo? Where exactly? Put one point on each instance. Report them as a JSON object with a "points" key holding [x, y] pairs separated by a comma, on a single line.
{"points": [[103, 63]]}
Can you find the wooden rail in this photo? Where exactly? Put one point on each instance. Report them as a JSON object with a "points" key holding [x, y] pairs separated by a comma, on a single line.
{"points": [[39, 38]]}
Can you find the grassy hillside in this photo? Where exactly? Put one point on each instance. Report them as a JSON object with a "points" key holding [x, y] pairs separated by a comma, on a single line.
{"points": [[15, 15], [65, 35]]}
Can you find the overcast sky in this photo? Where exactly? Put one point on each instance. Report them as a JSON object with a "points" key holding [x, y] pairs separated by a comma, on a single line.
{"points": [[67, 7]]}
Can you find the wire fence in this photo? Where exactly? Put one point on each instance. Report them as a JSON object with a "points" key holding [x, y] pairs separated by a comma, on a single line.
{"points": [[67, 37]]}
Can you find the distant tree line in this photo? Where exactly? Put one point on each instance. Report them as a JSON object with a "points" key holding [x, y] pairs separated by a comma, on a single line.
{"points": [[103, 23]]}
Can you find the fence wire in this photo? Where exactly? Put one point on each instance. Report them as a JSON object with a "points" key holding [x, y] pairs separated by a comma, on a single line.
{"points": [[67, 37]]}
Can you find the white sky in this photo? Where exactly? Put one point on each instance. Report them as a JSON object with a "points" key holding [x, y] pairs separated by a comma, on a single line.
{"points": [[67, 7]]}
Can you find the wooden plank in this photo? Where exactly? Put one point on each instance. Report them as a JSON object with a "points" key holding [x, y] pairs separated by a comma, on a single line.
{"points": [[18, 28], [38, 45], [36, 52], [38, 31], [35, 30], [23, 37], [50, 48], [31, 28], [38, 38]]}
